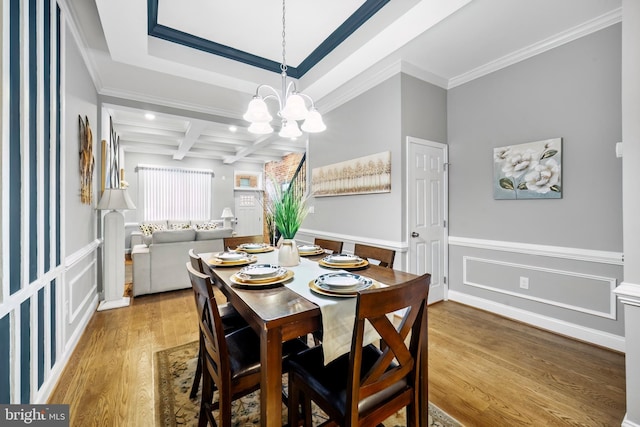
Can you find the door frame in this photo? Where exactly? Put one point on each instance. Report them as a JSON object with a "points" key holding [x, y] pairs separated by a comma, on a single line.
{"points": [[445, 194]]}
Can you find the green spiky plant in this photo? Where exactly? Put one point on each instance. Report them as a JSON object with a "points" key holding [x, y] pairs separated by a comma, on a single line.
{"points": [[287, 209]]}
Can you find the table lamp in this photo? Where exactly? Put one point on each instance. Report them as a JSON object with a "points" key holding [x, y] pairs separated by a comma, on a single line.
{"points": [[114, 200], [227, 216]]}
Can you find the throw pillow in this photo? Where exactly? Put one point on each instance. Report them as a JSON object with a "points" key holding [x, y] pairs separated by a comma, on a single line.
{"points": [[149, 228], [180, 226], [206, 226]]}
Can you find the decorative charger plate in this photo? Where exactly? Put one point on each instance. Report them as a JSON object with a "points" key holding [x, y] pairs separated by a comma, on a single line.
{"points": [[307, 250], [217, 262], [327, 262], [265, 283], [315, 287], [343, 282], [261, 272], [342, 259], [231, 255], [255, 248]]}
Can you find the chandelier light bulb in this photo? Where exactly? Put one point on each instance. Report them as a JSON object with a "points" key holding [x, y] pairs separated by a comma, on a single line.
{"points": [[314, 122], [289, 129], [295, 108], [257, 111], [260, 128]]}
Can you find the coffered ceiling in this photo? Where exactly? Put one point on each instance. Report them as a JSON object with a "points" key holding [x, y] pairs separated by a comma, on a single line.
{"points": [[195, 64]]}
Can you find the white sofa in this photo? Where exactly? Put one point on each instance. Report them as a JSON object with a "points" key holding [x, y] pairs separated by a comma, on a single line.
{"points": [[159, 260]]}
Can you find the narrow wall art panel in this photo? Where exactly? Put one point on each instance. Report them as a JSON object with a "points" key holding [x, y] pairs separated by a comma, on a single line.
{"points": [[363, 175], [532, 170]]}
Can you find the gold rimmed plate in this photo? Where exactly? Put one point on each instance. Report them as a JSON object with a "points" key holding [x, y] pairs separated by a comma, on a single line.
{"points": [[255, 248], [344, 266], [217, 262], [317, 289], [310, 250], [265, 283]]}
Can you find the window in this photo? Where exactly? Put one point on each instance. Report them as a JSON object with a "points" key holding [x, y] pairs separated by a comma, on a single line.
{"points": [[166, 193]]}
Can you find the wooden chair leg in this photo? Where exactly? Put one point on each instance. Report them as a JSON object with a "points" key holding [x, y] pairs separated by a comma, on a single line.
{"points": [[198, 375], [205, 401], [293, 405], [225, 408], [196, 378]]}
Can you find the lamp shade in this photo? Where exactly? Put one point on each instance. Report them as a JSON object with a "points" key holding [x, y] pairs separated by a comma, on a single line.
{"points": [[295, 108], [257, 111], [115, 199], [289, 129], [314, 122], [260, 128], [226, 213]]}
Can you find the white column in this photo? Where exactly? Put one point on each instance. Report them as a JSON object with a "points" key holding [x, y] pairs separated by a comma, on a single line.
{"points": [[629, 290], [113, 265]]}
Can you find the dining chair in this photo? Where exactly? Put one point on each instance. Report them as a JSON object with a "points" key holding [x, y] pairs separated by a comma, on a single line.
{"points": [[230, 362], [332, 245], [230, 318], [367, 385], [385, 256], [234, 242]]}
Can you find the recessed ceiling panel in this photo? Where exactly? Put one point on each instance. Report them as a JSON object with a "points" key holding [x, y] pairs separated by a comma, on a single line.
{"points": [[251, 31]]}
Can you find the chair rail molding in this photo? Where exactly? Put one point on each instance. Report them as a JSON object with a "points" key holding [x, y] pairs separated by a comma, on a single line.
{"points": [[578, 254], [628, 293], [347, 238]]}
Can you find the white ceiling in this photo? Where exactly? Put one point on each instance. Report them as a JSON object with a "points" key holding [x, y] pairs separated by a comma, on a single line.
{"points": [[196, 95]]}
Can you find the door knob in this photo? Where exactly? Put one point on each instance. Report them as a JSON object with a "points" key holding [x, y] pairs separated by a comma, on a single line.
{"points": [[414, 234]]}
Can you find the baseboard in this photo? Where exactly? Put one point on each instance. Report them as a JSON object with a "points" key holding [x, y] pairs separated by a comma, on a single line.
{"points": [[627, 423], [593, 336], [42, 396]]}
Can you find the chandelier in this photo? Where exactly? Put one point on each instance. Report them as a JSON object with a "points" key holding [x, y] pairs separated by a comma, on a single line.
{"points": [[292, 105]]}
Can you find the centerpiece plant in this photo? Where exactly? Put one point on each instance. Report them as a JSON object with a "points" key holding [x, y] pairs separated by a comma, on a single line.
{"points": [[287, 209]]}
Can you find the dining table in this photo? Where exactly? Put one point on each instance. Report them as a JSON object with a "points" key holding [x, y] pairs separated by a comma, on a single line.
{"points": [[284, 312]]}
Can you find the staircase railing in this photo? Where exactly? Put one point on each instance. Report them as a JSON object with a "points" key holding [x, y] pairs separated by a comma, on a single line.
{"points": [[298, 183]]}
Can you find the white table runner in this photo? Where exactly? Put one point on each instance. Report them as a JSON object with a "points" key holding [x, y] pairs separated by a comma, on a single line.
{"points": [[338, 314]]}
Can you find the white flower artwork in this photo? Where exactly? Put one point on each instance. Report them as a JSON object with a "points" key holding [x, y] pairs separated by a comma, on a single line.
{"points": [[528, 171]]}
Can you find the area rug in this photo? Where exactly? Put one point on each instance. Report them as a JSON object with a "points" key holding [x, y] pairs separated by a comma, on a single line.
{"points": [[174, 369]]}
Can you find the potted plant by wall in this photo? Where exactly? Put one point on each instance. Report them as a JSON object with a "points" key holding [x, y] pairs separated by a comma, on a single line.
{"points": [[287, 208]]}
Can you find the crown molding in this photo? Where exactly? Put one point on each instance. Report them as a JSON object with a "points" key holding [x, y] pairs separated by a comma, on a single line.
{"points": [[146, 98], [559, 39]]}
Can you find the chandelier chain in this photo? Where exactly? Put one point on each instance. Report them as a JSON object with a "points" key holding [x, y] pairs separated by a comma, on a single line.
{"points": [[283, 66]]}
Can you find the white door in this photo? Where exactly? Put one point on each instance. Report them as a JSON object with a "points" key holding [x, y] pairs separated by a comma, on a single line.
{"points": [[427, 212], [249, 213]]}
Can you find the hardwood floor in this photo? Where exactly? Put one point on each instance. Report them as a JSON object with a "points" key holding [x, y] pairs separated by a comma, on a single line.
{"points": [[486, 370], [483, 370]]}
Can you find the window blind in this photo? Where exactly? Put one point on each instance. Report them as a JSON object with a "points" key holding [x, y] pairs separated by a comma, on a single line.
{"points": [[168, 193]]}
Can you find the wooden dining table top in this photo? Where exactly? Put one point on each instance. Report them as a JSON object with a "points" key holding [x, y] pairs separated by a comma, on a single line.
{"points": [[278, 314]]}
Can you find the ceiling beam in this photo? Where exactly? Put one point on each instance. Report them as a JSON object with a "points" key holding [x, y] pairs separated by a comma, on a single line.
{"points": [[195, 129]]}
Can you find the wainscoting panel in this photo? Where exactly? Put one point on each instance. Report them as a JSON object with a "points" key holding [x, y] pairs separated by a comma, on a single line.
{"points": [[566, 290]]}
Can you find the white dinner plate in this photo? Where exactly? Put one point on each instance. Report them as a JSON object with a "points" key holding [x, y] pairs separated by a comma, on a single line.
{"points": [[261, 270], [231, 255], [347, 283], [253, 246], [340, 280], [309, 248], [343, 258]]}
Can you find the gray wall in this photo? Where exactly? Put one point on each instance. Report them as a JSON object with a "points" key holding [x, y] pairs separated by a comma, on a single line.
{"points": [[376, 121], [80, 99], [80, 229], [572, 92]]}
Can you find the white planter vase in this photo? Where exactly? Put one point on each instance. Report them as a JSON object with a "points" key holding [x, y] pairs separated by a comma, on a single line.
{"points": [[288, 253]]}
